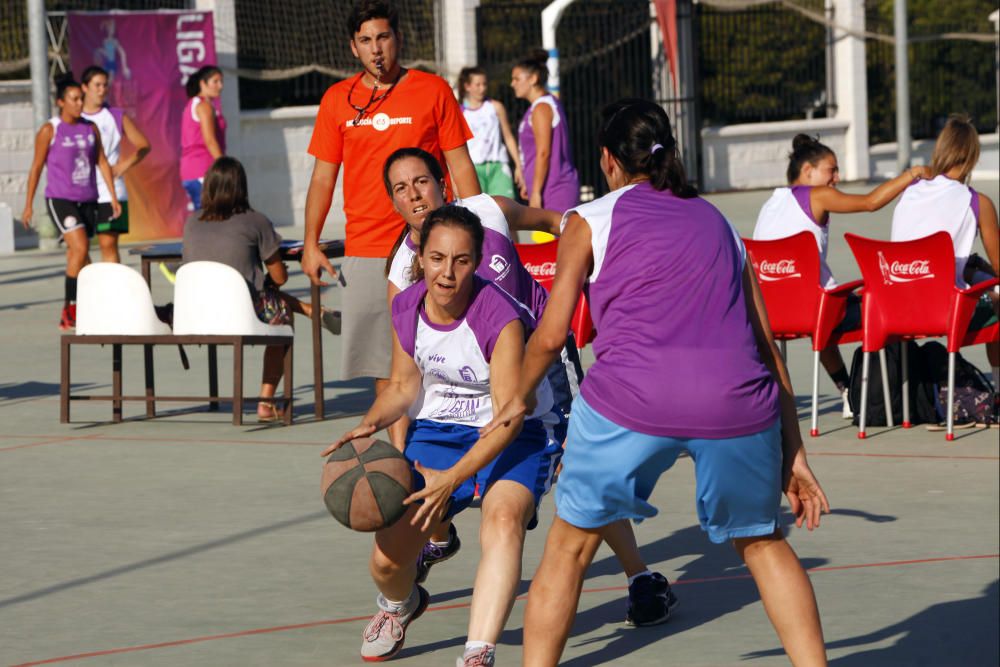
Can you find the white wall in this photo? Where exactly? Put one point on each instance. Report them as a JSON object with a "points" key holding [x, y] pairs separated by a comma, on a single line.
{"points": [[882, 158], [17, 138], [274, 144], [755, 155]]}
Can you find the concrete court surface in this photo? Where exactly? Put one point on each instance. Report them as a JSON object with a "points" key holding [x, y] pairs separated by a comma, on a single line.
{"points": [[186, 541]]}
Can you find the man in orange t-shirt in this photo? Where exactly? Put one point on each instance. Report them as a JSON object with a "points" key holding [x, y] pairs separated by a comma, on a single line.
{"points": [[361, 121]]}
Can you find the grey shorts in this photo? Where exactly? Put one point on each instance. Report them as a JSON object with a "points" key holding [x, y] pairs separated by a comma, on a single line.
{"points": [[367, 325]]}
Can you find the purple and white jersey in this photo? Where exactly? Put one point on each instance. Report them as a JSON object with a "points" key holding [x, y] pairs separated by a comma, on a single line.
{"points": [[500, 263], [454, 360], [72, 161], [941, 204], [111, 127], [562, 185], [675, 352], [789, 212]]}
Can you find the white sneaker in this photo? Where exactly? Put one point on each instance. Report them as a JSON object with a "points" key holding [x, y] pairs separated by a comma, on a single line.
{"points": [[384, 636], [847, 413]]}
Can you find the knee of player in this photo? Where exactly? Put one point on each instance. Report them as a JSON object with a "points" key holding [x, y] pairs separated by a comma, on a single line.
{"points": [[748, 547], [502, 524], [382, 566]]}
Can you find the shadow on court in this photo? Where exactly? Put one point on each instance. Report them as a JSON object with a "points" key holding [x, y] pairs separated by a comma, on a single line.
{"points": [[963, 632]]}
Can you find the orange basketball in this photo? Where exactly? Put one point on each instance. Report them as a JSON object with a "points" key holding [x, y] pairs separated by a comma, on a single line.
{"points": [[365, 483]]}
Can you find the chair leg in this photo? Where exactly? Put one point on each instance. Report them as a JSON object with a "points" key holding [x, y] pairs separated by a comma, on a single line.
{"points": [[906, 385], [64, 383], [289, 385], [238, 383], [784, 350], [213, 377], [116, 383], [949, 408], [887, 399], [147, 356], [814, 430], [865, 363], [317, 349]]}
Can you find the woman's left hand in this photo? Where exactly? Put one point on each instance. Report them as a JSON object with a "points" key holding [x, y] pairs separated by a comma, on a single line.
{"points": [[116, 208], [436, 494], [805, 495]]}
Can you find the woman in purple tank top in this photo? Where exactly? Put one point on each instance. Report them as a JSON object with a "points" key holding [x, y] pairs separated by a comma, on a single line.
{"points": [[550, 179], [685, 362], [70, 146]]}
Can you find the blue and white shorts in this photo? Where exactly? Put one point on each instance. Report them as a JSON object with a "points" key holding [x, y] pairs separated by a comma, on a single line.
{"points": [[530, 460], [609, 473]]}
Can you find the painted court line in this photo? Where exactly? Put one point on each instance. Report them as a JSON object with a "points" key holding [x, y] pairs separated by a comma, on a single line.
{"points": [[462, 605]]}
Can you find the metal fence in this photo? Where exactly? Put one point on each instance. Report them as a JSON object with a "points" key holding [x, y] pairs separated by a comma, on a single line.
{"points": [[946, 75], [605, 53], [762, 63]]}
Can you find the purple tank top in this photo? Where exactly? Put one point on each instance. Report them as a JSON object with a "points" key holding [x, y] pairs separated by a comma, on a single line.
{"points": [[675, 352], [72, 161], [562, 186], [195, 158]]}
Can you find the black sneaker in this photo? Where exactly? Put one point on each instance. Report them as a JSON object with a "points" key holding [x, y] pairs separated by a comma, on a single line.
{"points": [[650, 600], [432, 554]]}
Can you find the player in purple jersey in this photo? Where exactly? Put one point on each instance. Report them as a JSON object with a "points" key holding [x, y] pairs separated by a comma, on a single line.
{"points": [[675, 341], [457, 346], [550, 179], [70, 146], [415, 182]]}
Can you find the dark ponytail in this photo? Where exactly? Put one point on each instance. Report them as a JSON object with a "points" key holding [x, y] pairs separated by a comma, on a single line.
{"points": [[805, 149], [637, 134], [450, 215], [63, 83], [193, 85], [537, 63]]}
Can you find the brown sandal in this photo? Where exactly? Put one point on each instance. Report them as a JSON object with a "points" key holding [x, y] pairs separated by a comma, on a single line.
{"points": [[271, 415]]}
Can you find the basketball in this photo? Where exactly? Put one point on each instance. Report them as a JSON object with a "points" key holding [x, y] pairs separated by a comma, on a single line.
{"points": [[364, 484]]}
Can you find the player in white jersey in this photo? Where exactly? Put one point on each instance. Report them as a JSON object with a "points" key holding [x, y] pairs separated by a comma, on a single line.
{"points": [[492, 140], [947, 203], [414, 181], [805, 205], [457, 346], [114, 125]]}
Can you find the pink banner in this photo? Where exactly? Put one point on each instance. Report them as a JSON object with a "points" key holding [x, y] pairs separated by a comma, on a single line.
{"points": [[148, 56]]}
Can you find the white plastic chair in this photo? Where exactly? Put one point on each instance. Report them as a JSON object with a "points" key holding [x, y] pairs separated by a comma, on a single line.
{"points": [[213, 299], [113, 299]]}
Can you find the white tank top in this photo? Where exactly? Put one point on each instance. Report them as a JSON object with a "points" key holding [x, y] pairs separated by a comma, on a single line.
{"points": [[109, 125], [940, 204], [787, 213], [486, 144]]}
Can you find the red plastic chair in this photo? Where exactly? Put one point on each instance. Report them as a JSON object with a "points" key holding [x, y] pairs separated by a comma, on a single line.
{"points": [[798, 306], [910, 293], [540, 261]]}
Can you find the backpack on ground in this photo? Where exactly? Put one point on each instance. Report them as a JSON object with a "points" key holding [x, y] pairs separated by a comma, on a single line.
{"points": [[921, 388], [974, 399]]}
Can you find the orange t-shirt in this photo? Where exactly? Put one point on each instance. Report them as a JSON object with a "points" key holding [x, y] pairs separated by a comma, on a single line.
{"points": [[419, 111]]}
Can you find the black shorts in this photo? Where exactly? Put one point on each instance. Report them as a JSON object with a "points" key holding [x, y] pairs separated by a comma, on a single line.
{"points": [[71, 215]]}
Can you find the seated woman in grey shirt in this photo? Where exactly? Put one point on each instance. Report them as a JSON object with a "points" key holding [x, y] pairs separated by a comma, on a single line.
{"points": [[228, 231]]}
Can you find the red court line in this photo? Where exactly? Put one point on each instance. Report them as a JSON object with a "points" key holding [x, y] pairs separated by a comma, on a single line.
{"points": [[53, 441], [462, 605]]}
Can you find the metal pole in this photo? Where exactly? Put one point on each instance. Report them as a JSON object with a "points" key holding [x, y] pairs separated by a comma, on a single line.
{"points": [[38, 49], [551, 16], [831, 71], [995, 18], [902, 88]]}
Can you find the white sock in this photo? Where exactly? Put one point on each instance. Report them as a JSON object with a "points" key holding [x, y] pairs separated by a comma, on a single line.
{"points": [[644, 573], [471, 646], [441, 545], [393, 605]]}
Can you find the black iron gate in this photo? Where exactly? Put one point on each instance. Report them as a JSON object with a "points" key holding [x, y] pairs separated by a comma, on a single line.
{"points": [[607, 50]]}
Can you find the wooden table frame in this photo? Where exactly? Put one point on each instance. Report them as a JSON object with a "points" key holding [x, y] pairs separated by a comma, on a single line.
{"points": [[150, 398], [171, 252]]}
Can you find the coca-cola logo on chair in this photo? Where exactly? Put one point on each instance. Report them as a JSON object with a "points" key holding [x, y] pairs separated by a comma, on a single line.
{"points": [[903, 272], [782, 269], [543, 270]]}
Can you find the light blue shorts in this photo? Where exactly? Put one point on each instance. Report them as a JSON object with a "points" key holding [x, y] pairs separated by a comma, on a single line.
{"points": [[530, 460], [609, 473]]}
